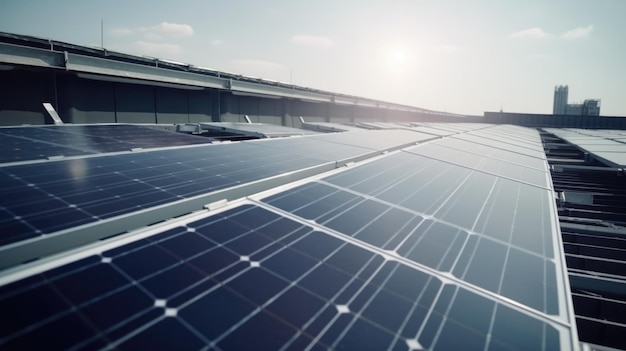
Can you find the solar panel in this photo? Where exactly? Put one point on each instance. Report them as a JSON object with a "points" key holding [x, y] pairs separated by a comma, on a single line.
{"points": [[430, 130], [41, 142], [330, 127], [597, 143], [495, 135], [17, 148], [499, 144], [494, 152], [490, 165], [259, 130], [446, 250], [378, 139], [477, 219], [55, 196], [47, 197], [251, 278]]}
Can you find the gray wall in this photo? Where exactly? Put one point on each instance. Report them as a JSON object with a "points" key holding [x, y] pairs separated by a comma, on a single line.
{"points": [[558, 121], [80, 100], [85, 101], [21, 96]]}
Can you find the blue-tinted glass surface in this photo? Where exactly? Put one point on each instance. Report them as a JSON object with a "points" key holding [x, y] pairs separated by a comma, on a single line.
{"points": [[87, 189], [382, 213], [188, 288], [40, 142]]}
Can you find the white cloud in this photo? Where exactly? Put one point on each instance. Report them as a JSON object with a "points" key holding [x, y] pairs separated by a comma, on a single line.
{"points": [[577, 33], [217, 42], [167, 30], [531, 33], [312, 41], [121, 32], [156, 49]]}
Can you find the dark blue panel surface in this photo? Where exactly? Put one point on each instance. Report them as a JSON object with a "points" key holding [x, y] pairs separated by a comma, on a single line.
{"points": [[44, 198], [40, 142], [190, 287], [492, 232]]}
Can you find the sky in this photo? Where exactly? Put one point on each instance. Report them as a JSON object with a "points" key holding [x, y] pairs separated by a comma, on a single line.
{"points": [[457, 56]]}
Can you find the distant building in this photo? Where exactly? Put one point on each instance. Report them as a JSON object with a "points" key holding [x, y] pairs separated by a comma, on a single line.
{"points": [[560, 100], [574, 110], [590, 107]]}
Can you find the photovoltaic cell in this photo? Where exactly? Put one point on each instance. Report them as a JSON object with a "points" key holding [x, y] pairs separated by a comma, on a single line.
{"points": [[483, 163], [40, 142], [494, 152], [487, 229], [447, 250], [16, 149], [500, 144], [440, 244], [255, 129], [377, 139], [605, 145], [195, 286], [44, 198], [47, 197]]}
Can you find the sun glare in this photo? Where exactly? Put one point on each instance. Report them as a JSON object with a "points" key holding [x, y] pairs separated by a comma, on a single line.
{"points": [[397, 59]]}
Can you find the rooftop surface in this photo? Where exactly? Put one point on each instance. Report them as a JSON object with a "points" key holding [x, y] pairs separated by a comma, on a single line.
{"points": [[431, 236]]}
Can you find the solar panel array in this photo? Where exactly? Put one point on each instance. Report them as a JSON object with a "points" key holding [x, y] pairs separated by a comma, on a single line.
{"points": [[258, 130], [42, 142], [592, 208], [403, 250], [608, 146]]}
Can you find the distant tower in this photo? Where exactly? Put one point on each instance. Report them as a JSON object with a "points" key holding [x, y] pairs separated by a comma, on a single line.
{"points": [[591, 107], [560, 100]]}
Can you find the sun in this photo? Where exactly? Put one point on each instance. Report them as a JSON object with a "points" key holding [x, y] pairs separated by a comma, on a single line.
{"points": [[396, 57]]}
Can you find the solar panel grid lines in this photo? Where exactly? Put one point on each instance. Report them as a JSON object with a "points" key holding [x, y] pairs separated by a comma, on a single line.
{"points": [[483, 164], [599, 144], [79, 156], [494, 152], [73, 140], [441, 276], [546, 200], [46, 245], [503, 144], [379, 139], [93, 189], [83, 174], [18, 148], [329, 224], [397, 202], [369, 295], [384, 252]]}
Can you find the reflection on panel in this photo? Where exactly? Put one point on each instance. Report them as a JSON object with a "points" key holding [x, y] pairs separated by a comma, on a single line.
{"points": [[490, 165], [41, 142], [250, 279]]}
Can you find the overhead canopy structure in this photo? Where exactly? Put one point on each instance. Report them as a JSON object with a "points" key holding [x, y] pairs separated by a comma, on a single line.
{"points": [[444, 237]]}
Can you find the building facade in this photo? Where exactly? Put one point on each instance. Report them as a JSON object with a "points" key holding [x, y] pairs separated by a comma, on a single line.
{"points": [[560, 100], [590, 107]]}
